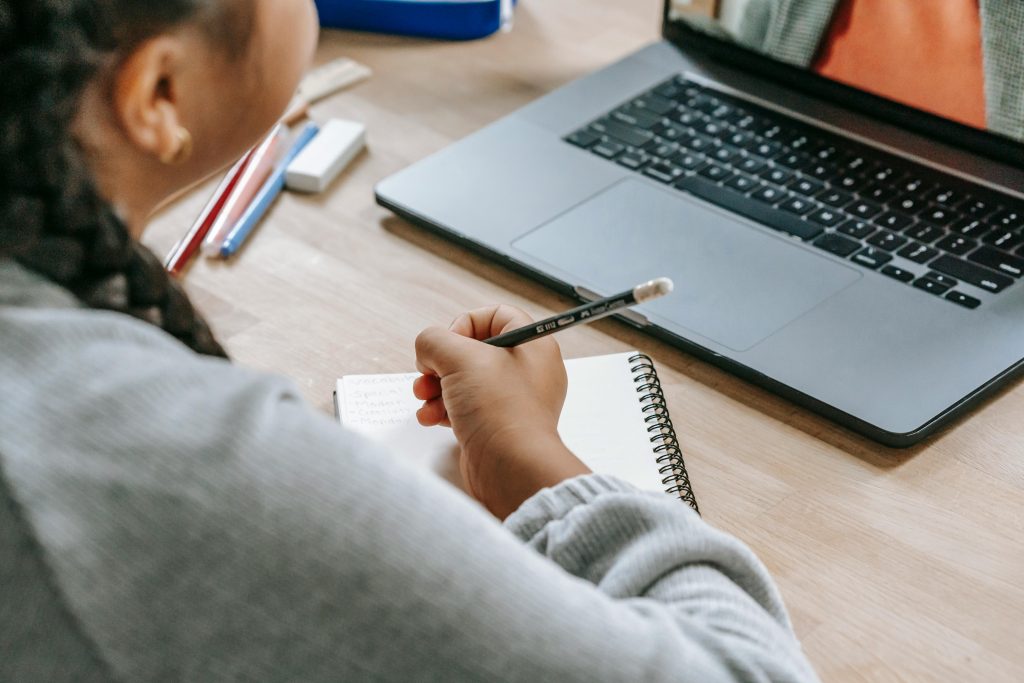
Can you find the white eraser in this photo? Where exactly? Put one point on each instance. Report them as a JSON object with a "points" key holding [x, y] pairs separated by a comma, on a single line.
{"points": [[316, 167]]}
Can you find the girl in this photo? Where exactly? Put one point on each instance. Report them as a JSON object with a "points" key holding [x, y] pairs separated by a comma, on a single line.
{"points": [[168, 516]]}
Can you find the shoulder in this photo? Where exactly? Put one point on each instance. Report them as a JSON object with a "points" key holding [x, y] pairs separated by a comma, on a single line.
{"points": [[105, 406], [92, 376], [180, 498]]}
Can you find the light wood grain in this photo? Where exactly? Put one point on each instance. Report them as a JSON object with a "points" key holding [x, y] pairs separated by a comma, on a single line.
{"points": [[896, 565]]}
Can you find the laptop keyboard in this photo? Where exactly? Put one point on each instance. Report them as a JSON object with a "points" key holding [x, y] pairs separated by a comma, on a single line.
{"points": [[929, 230]]}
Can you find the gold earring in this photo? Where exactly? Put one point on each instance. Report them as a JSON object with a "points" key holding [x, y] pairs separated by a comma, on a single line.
{"points": [[184, 148]]}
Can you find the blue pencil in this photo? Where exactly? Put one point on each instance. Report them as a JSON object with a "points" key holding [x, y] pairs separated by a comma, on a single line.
{"points": [[268, 193]]}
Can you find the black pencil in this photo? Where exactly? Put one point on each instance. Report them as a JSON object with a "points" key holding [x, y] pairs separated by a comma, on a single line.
{"points": [[595, 310]]}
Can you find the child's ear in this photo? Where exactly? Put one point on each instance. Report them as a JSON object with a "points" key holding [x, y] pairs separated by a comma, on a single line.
{"points": [[146, 98]]}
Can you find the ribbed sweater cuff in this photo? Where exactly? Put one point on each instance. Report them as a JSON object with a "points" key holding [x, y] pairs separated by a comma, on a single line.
{"points": [[555, 503]]}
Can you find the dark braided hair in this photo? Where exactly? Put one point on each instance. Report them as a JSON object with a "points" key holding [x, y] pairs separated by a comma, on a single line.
{"points": [[52, 218]]}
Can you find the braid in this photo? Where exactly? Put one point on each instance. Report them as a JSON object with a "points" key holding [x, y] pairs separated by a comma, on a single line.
{"points": [[52, 218]]}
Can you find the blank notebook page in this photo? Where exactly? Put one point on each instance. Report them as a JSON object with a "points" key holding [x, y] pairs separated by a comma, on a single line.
{"points": [[602, 421]]}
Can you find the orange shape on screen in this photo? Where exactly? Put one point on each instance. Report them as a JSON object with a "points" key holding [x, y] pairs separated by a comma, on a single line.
{"points": [[924, 54]]}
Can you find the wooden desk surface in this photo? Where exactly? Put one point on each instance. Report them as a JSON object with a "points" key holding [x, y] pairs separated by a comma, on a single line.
{"points": [[896, 565]]}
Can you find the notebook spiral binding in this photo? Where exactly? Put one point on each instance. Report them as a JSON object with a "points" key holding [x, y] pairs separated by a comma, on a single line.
{"points": [[659, 425]]}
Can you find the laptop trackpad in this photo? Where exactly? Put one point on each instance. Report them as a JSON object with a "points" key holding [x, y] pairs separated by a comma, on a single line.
{"points": [[735, 284]]}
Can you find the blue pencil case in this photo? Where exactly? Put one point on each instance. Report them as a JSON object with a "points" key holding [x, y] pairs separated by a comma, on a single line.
{"points": [[445, 19]]}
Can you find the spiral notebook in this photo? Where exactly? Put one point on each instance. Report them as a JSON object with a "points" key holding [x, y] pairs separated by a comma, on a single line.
{"points": [[615, 420]]}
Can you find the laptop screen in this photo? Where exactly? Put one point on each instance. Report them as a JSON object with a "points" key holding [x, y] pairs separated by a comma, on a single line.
{"points": [[960, 60]]}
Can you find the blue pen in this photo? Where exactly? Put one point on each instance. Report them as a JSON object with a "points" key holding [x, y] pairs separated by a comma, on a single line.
{"points": [[268, 193]]}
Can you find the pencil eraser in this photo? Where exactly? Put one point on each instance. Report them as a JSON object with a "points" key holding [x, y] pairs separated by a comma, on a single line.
{"points": [[323, 159]]}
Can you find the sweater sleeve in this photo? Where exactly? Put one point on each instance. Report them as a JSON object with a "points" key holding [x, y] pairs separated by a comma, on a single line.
{"points": [[202, 523]]}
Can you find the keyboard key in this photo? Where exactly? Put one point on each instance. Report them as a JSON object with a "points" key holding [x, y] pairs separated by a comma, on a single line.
{"points": [[608, 150], [728, 113], [745, 206], [822, 171], [930, 286], [767, 148], [970, 227], [882, 194], [897, 273], [743, 183], [712, 128], [894, 220], [963, 300], [705, 102], [725, 153], [770, 194], [670, 90], [858, 229], [957, 245], [887, 240], [663, 172], [945, 197], [886, 174], [639, 119], [746, 123], [751, 164], [797, 205], [974, 274], [663, 149], [826, 217], [716, 172], [938, 216], [1008, 219], [828, 153], [584, 138], [837, 244], [657, 105], [700, 143], [837, 199], [870, 257], [908, 204], [808, 187], [795, 161], [864, 209], [918, 253], [740, 138], [923, 232], [748, 142], [670, 131], [856, 164], [1003, 239], [632, 161], [688, 118], [942, 279], [623, 133], [999, 261], [851, 183], [801, 142], [977, 208], [914, 186], [691, 161], [777, 175]]}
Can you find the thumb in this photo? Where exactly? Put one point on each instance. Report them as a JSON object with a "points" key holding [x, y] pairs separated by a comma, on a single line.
{"points": [[484, 323], [441, 352]]}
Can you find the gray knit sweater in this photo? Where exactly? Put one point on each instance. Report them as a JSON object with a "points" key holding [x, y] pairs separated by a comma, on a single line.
{"points": [[166, 517]]}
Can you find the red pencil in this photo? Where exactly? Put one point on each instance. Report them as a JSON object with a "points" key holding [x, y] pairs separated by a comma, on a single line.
{"points": [[189, 244]]}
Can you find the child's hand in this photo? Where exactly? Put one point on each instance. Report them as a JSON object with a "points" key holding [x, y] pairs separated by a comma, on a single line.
{"points": [[503, 405]]}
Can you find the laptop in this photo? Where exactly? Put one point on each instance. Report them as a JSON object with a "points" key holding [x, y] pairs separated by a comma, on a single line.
{"points": [[852, 253]]}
